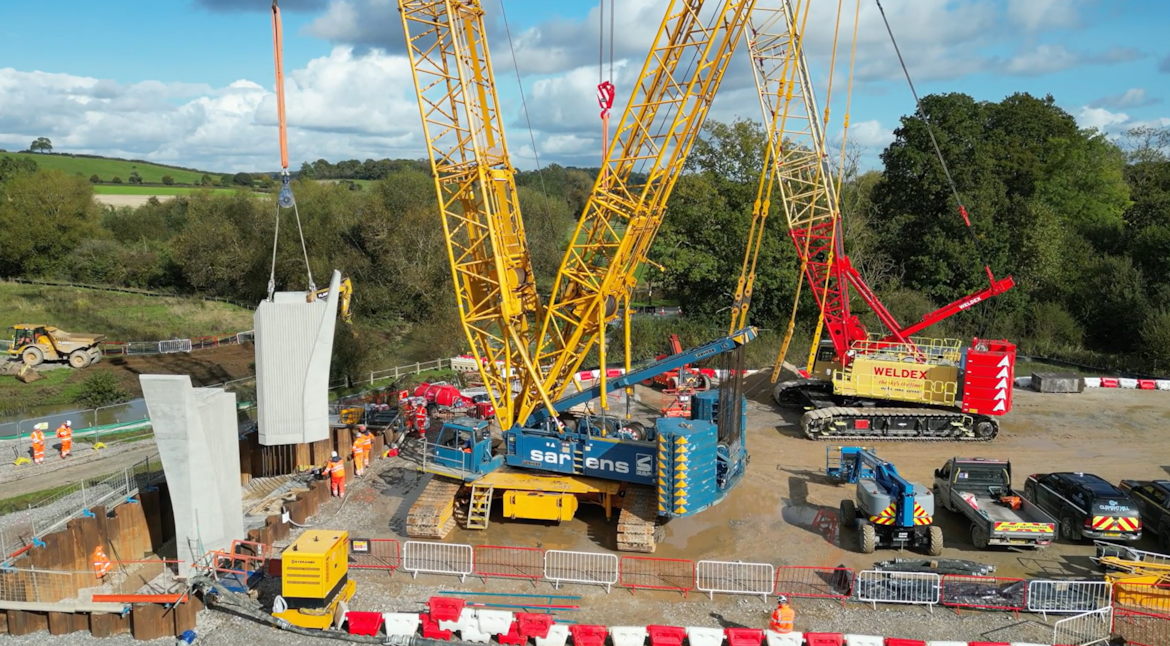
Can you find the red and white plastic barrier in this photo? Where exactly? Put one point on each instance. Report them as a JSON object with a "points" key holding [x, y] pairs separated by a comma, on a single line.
{"points": [[1127, 383], [449, 615]]}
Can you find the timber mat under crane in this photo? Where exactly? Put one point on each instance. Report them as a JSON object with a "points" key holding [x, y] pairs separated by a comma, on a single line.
{"points": [[512, 335], [857, 384]]}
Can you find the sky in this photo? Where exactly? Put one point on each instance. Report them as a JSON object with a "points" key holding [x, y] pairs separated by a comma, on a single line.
{"points": [[191, 82]]}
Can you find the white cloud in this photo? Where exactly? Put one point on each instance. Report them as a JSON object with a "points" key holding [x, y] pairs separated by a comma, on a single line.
{"points": [[339, 106], [1100, 118], [1037, 14], [1132, 98], [1044, 59], [870, 134]]}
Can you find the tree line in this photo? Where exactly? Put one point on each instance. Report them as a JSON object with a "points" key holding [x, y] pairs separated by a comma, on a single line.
{"points": [[1081, 221]]}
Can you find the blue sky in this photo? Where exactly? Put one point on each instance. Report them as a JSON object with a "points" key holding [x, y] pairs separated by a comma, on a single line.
{"points": [[189, 81]]}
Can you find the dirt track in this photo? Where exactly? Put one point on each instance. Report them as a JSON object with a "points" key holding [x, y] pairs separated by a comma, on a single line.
{"points": [[206, 367]]}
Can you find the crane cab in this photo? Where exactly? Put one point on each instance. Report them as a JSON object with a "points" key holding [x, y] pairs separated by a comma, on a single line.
{"points": [[824, 362], [462, 450]]}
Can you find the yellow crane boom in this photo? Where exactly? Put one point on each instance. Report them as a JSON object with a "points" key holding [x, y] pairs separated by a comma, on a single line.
{"points": [[796, 160], [476, 189], [625, 210]]}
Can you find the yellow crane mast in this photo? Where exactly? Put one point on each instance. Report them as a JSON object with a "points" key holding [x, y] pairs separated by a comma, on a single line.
{"points": [[625, 210], [796, 158], [475, 184]]}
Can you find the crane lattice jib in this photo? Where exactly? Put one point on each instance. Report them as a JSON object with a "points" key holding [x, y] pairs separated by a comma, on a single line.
{"points": [[800, 165], [624, 212], [475, 184]]}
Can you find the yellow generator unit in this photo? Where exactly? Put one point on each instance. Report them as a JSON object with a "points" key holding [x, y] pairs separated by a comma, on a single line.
{"points": [[315, 586]]}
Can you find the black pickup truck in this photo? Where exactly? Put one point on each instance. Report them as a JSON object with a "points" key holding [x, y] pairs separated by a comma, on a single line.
{"points": [[1153, 500]]}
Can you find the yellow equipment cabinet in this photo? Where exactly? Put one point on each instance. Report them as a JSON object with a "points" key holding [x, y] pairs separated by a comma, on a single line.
{"points": [[315, 586], [538, 505]]}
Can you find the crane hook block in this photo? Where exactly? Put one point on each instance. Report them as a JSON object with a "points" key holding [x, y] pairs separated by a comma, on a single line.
{"points": [[286, 196]]}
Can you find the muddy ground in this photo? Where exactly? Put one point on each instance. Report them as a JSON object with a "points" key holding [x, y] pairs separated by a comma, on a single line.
{"points": [[207, 367], [769, 518]]}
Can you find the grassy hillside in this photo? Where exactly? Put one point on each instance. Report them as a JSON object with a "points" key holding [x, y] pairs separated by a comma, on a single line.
{"points": [[121, 317], [123, 189], [107, 168]]}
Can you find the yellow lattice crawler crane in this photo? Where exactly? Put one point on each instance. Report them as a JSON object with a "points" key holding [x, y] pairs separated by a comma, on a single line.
{"points": [[315, 587], [36, 344]]}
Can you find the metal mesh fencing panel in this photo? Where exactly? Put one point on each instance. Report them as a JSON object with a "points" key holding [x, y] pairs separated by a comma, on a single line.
{"points": [[1066, 597], [509, 562], [656, 574], [1085, 629], [987, 592], [736, 577], [1141, 628], [814, 582], [174, 345], [41, 586], [590, 568], [916, 588], [437, 558], [374, 554]]}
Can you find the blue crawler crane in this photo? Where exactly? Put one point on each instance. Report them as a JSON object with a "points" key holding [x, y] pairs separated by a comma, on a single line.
{"points": [[545, 468], [889, 511]]}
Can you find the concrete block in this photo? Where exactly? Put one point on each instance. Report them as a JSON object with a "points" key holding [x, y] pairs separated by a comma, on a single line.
{"points": [[1057, 382], [400, 623], [196, 433], [784, 639], [558, 634], [294, 345], [697, 636]]}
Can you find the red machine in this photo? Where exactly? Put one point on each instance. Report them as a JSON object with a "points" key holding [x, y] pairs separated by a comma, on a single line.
{"points": [[446, 398], [693, 379]]}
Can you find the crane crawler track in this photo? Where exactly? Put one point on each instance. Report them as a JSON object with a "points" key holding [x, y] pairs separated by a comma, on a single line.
{"points": [[831, 418], [881, 423], [432, 515], [637, 529]]}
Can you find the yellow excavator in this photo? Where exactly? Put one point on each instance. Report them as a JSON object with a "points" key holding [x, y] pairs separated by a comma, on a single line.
{"points": [[346, 293]]}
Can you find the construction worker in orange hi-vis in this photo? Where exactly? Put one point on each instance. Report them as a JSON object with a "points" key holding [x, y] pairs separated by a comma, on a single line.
{"points": [[367, 443], [783, 617], [359, 455], [65, 434], [37, 437], [420, 419], [336, 470], [101, 562]]}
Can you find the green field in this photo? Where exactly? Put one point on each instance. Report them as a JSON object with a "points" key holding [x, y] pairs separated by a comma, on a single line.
{"points": [[123, 189], [121, 317], [107, 168]]}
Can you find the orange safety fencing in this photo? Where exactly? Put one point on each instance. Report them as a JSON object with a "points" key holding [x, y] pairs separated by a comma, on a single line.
{"points": [[1142, 597], [508, 562], [985, 592], [374, 554], [814, 582], [656, 574], [1141, 628]]}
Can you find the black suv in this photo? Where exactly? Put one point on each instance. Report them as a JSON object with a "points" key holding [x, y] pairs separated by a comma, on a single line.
{"points": [[1153, 498], [1086, 505]]}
